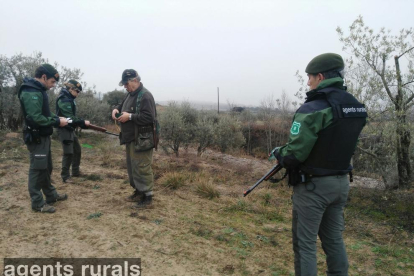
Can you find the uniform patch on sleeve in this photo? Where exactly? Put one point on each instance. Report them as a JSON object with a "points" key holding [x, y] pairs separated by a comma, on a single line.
{"points": [[295, 128]]}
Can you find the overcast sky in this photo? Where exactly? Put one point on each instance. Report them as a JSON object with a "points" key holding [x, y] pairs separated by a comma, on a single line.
{"points": [[184, 50]]}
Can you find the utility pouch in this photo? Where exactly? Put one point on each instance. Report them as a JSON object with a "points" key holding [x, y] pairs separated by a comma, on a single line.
{"points": [[144, 138], [295, 177], [31, 135], [40, 161], [38, 156]]}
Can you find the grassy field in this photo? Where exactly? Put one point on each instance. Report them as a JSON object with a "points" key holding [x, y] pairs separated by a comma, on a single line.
{"points": [[200, 224]]}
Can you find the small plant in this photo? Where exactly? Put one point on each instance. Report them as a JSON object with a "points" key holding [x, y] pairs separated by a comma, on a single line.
{"points": [[267, 197], [94, 215], [173, 180], [94, 177], [202, 232], [207, 190]]}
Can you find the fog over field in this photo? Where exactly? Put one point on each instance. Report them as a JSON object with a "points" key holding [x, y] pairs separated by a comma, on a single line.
{"points": [[185, 49]]}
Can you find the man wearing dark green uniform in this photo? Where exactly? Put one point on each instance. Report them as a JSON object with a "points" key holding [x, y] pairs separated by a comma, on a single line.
{"points": [[39, 123], [66, 107], [137, 115], [322, 140]]}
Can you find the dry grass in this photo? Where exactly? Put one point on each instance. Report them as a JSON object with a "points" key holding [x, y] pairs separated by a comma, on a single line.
{"points": [[207, 190], [185, 233]]}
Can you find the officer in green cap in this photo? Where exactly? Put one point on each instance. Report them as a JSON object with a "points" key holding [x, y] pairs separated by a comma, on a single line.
{"points": [[66, 107], [322, 140], [139, 131], [39, 123]]}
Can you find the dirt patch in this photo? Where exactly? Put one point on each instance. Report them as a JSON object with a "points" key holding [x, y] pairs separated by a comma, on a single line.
{"points": [[185, 233]]}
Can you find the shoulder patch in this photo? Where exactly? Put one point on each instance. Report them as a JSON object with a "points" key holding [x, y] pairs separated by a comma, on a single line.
{"points": [[295, 128]]}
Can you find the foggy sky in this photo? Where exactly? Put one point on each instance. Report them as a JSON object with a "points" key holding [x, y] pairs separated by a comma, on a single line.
{"points": [[184, 50]]}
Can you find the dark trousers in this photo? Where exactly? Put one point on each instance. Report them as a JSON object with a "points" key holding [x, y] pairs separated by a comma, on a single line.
{"points": [[318, 210], [39, 173], [72, 153]]}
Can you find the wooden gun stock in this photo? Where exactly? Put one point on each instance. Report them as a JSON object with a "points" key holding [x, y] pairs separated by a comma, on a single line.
{"points": [[97, 128], [101, 129]]}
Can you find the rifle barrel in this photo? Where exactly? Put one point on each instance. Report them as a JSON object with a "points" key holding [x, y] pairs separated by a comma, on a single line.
{"points": [[266, 177]]}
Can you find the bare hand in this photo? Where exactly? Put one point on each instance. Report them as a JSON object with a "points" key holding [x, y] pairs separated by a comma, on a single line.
{"points": [[115, 111], [87, 123], [63, 121], [124, 117]]}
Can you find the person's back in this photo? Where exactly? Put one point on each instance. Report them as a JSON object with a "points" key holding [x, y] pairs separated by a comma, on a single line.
{"points": [[322, 141]]}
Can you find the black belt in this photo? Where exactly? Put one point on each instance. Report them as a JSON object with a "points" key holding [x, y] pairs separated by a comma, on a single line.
{"points": [[309, 176], [145, 129]]}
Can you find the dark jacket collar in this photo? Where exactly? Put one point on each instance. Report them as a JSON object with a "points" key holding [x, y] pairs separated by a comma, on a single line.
{"points": [[33, 83], [64, 92], [337, 83], [134, 93]]}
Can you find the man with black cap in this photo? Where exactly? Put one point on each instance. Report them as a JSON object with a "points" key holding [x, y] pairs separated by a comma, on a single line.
{"points": [[138, 117], [66, 107], [39, 123], [322, 140]]}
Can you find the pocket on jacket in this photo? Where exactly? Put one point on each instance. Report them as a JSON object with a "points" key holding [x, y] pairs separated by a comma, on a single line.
{"points": [[144, 141]]}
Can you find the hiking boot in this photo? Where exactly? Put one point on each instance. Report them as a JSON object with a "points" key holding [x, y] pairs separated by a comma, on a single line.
{"points": [[145, 203], [58, 198], [135, 197], [45, 209], [68, 181]]}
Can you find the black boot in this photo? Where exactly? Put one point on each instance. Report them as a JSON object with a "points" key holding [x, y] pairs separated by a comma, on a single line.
{"points": [[145, 203], [135, 197]]}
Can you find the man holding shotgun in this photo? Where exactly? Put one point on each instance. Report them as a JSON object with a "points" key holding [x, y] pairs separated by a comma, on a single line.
{"points": [[322, 140], [66, 107]]}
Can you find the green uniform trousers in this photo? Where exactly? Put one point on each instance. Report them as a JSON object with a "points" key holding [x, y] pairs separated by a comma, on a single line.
{"points": [[318, 210], [39, 173], [72, 153], [139, 167]]}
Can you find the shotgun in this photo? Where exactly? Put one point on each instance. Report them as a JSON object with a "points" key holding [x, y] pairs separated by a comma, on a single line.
{"points": [[101, 129], [267, 176]]}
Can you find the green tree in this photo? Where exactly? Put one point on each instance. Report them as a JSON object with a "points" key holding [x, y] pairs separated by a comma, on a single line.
{"points": [[174, 133], [204, 130], [114, 98], [381, 53], [228, 133]]}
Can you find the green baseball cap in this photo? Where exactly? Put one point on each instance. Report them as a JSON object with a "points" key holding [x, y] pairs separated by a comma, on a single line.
{"points": [[325, 62], [50, 71]]}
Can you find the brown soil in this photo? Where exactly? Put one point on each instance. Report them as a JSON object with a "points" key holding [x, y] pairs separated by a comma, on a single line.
{"points": [[183, 234]]}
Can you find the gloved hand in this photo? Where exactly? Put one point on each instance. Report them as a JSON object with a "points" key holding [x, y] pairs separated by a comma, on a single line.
{"points": [[272, 155]]}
